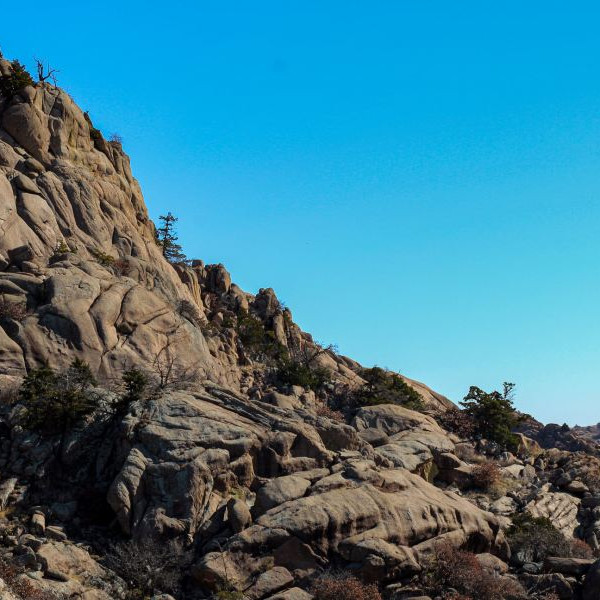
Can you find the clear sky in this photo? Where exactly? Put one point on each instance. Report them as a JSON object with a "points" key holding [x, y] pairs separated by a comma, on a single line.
{"points": [[419, 181]]}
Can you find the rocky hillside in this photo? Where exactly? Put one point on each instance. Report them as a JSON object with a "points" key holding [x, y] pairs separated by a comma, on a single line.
{"points": [[163, 432]]}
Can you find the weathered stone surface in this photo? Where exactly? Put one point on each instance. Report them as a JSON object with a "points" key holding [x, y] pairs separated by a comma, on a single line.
{"points": [[407, 512], [278, 491], [294, 593], [238, 515], [269, 582], [568, 566], [393, 419], [69, 560], [492, 563], [560, 508]]}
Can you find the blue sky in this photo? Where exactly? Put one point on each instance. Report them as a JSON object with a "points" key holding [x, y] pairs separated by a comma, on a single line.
{"points": [[418, 181]]}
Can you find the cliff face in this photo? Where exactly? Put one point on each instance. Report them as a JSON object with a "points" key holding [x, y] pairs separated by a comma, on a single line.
{"points": [[77, 245], [263, 484]]}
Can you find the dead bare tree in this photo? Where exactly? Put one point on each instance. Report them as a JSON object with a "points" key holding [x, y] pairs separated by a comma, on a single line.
{"points": [[44, 72], [167, 369]]}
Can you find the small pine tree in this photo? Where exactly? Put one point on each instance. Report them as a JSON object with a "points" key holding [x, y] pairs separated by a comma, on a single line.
{"points": [[493, 414], [55, 402], [135, 382], [167, 239]]}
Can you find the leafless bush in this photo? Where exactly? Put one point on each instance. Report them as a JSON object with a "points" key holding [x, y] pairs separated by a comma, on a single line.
{"points": [[148, 567], [188, 310], [19, 586], [580, 549], [9, 393], [458, 422], [341, 586], [324, 410], [16, 311], [121, 267], [116, 138], [486, 475], [168, 371], [458, 570]]}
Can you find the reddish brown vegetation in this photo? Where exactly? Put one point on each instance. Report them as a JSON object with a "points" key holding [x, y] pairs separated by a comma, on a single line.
{"points": [[323, 410], [343, 587], [580, 549], [121, 267], [461, 571], [12, 310], [486, 475], [19, 586], [458, 422]]}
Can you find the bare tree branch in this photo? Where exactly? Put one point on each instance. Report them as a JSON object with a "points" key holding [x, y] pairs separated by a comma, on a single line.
{"points": [[44, 72]]}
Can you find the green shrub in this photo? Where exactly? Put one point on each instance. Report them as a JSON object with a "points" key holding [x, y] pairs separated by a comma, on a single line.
{"points": [[293, 372], [258, 342], [95, 134], [135, 382], [493, 414], [54, 402], [532, 539], [18, 79], [227, 592], [62, 248], [383, 387]]}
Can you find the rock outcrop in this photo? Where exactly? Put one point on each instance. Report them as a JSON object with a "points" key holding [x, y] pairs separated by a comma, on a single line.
{"points": [[261, 485]]}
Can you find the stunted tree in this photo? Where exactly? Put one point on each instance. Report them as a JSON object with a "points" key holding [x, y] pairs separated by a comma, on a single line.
{"points": [[493, 414], [55, 402], [149, 567], [16, 80], [167, 239]]}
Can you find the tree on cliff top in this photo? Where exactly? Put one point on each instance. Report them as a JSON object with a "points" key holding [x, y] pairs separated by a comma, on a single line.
{"points": [[167, 239]]}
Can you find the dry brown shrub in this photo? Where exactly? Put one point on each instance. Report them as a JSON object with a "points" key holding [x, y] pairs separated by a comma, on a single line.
{"points": [[19, 586], [591, 478], [458, 422], [12, 310], [581, 549], [324, 410], [343, 587], [9, 393], [459, 570], [487, 475], [121, 267]]}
